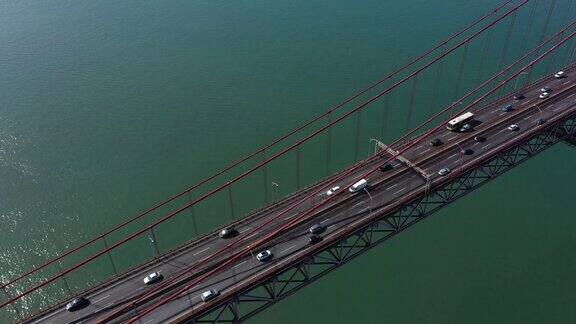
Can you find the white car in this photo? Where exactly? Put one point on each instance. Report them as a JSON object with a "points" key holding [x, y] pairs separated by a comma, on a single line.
{"points": [[559, 74], [513, 127], [209, 295], [152, 278], [332, 190], [444, 171], [264, 255], [544, 95]]}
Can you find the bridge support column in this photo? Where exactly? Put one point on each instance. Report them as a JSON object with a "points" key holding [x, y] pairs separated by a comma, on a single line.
{"points": [[66, 285], [193, 215], [110, 256]]}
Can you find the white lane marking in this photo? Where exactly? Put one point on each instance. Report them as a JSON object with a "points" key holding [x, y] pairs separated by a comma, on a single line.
{"points": [[502, 114], [525, 102], [288, 248], [451, 156], [572, 95], [239, 264], [102, 298], [208, 248], [527, 117], [289, 217], [451, 137], [399, 191], [426, 151], [485, 146], [246, 229], [48, 316], [558, 108], [392, 186], [364, 209], [324, 221], [358, 204], [331, 226]]}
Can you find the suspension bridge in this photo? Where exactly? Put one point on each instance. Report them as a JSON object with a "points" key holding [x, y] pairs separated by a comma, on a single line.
{"points": [[412, 171]]}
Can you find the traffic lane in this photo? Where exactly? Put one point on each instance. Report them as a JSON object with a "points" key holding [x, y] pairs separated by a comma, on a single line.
{"points": [[301, 241], [167, 268], [380, 192], [494, 109], [224, 281], [273, 215], [133, 284], [279, 250], [481, 128], [344, 200], [500, 135]]}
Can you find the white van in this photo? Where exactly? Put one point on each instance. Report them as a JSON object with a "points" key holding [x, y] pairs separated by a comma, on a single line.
{"points": [[359, 185]]}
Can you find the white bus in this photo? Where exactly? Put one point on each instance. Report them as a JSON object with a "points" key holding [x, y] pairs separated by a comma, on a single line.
{"points": [[458, 121], [358, 186]]}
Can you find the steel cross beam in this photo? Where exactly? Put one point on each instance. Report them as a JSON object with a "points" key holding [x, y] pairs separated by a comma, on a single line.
{"points": [[258, 295], [403, 160]]}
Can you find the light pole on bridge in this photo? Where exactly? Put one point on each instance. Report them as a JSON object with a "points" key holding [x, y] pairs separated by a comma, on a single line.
{"points": [[369, 195], [274, 185], [153, 245]]}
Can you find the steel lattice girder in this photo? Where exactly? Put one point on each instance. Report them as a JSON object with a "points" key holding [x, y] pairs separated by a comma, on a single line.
{"points": [[245, 303]]}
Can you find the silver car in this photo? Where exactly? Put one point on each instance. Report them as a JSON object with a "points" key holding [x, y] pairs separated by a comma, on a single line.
{"points": [[152, 278], [264, 256], [513, 127], [444, 171], [209, 295]]}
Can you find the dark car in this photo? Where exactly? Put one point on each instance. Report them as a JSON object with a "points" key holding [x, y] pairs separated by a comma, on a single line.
{"points": [[317, 229], [468, 151], [436, 142], [77, 303], [228, 232], [313, 239], [519, 96], [479, 139], [385, 167], [507, 108], [541, 121]]}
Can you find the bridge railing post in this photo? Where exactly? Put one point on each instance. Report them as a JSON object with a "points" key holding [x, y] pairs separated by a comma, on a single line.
{"points": [[66, 285], [231, 199]]}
